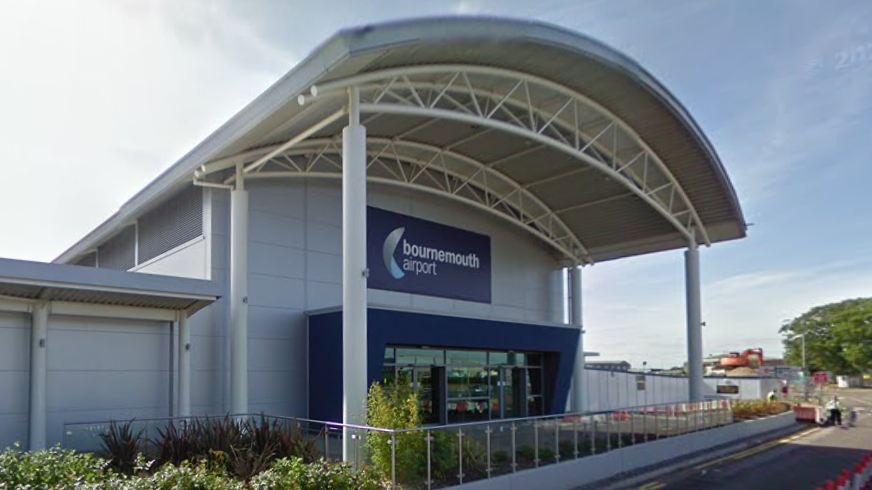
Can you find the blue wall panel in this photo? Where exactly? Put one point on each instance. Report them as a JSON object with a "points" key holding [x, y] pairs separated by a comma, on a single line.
{"points": [[391, 327]]}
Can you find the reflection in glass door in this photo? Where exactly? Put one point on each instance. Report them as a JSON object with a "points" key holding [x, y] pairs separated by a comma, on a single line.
{"points": [[505, 402], [467, 394], [427, 405]]}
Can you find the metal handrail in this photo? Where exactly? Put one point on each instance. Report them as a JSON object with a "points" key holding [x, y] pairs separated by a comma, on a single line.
{"points": [[592, 433], [340, 425]]}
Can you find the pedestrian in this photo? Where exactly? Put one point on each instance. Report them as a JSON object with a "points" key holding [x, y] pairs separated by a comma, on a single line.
{"points": [[834, 407]]}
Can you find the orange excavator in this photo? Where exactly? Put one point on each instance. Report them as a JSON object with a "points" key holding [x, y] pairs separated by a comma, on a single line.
{"points": [[752, 358]]}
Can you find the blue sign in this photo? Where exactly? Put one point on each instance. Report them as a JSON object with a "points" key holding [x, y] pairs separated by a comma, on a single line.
{"points": [[412, 255]]}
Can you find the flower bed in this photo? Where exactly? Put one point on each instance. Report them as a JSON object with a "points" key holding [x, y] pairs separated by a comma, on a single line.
{"points": [[57, 469], [754, 409], [203, 454]]}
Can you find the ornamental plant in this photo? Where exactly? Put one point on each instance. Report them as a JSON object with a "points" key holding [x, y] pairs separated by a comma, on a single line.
{"points": [[394, 405], [55, 467], [295, 474]]}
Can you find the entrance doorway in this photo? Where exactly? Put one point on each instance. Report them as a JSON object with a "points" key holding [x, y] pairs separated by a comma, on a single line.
{"points": [[457, 386]]}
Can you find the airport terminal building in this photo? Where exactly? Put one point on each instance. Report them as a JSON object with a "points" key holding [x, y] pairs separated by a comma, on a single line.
{"points": [[407, 201]]}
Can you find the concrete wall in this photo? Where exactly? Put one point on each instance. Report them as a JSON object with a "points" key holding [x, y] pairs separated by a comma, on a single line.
{"points": [[609, 390], [749, 388], [574, 474], [14, 377]]}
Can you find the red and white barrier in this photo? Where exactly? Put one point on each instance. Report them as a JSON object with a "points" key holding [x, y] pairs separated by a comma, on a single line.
{"points": [[859, 479]]}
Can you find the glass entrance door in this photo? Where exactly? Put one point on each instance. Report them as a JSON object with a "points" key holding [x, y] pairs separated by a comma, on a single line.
{"points": [[505, 402], [421, 379], [456, 385]]}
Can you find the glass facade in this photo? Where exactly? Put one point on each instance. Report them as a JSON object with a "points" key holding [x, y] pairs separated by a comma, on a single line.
{"points": [[469, 385]]}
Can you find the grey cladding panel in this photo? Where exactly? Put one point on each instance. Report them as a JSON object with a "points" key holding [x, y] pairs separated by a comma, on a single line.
{"points": [[14, 377], [119, 252], [13, 428], [14, 342], [88, 260], [275, 291], [128, 360], [276, 229], [177, 221]]}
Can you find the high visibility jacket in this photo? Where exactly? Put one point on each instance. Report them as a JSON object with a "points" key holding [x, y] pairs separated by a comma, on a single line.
{"points": [[835, 405]]}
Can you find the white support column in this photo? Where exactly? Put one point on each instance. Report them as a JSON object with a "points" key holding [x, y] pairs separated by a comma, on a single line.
{"points": [[354, 341], [184, 366], [239, 296], [578, 401], [38, 375], [694, 323]]}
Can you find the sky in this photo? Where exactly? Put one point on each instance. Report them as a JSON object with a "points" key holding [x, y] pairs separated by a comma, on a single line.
{"points": [[97, 97]]}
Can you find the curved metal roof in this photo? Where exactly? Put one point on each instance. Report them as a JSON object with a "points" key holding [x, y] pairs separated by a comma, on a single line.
{"points": [[539, 125]]}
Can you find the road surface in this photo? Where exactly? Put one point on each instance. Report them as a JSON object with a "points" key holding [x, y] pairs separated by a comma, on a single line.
{"points": [[802, 461]]}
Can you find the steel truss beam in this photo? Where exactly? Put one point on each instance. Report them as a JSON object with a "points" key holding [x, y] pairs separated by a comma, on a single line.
{"points": [[436, 170], [539, 110], [532, 107]]}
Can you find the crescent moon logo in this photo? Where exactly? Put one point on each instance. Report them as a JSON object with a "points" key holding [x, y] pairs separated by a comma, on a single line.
{"points": [[388, 250]]}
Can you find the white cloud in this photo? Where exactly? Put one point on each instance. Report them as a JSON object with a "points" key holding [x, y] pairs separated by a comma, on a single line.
{"points": [[97, 99], [467, 7], [101, 95]]}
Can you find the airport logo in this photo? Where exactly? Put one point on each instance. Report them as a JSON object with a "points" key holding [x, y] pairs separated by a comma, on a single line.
{"points": [[411, 255], [421, 259], [388, 250]]}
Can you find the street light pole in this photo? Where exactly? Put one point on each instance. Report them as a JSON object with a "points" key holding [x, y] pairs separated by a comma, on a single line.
{"points": [[804, 370]]}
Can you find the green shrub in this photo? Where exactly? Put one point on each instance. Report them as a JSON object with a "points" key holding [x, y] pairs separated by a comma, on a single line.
{"points": [[395, 406], [122, 445], [177, 444], [294, 474], [526, 453], [186, 476], [294, 444], [190, 476], [244, 447], [443, 456], [54, 467], [567, 449], [546, 454], [474, 456], [499, 458]]}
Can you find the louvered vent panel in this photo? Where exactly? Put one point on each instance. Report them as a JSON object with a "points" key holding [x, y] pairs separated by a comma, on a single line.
{"points": [[119, 251], [173, 223]]}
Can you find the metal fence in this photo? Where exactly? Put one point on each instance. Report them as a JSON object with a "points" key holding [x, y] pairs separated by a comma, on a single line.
{"points": [[441, 456]]}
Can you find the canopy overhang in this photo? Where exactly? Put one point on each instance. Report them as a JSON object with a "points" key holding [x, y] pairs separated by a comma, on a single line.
{"points": [[24, 281], [546, 129]]}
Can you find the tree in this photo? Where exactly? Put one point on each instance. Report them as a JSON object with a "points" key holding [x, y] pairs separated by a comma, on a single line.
{"points": [[838, 337]]}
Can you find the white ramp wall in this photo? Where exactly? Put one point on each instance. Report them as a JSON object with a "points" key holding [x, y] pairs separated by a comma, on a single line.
{"points": [[609, 390]]}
